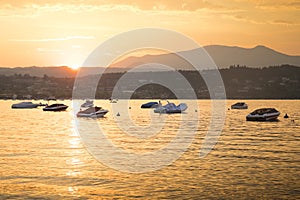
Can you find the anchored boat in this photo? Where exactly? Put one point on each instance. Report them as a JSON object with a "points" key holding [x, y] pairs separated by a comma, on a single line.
{"points": [[55, 107], [92, 112], [171, 108], [239, 105], [149, 105], [263, 114], [25, 105]]}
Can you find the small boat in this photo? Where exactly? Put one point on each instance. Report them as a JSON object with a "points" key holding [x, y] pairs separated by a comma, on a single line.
{"points": [[263, 114], [239, 105], [25, 105], [113, 100], [92, 112], [88, 103], [149, 105], [171, 108], [55, 107]]}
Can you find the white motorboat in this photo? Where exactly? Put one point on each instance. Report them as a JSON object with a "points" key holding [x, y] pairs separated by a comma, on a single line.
{"points": [[239, 105], [263, 114], [170, 108], [55, 107], [25, 105], [88, 103], [92, 112]]}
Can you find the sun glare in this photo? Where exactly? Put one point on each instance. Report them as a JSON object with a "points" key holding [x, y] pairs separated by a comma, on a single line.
{"points": [[74, 66]]}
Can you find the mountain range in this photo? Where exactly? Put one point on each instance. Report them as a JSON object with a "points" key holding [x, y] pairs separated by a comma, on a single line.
{"points": [[223, 57]]}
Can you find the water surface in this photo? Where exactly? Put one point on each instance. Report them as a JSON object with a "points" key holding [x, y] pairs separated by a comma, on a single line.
{"points": [[43, 157]]}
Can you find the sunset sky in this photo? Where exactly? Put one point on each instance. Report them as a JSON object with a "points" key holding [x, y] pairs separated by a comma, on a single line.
{"points": [[53, 33]]}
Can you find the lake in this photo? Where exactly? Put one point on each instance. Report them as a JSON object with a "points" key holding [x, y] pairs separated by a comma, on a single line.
{"points": [[44, 155]]}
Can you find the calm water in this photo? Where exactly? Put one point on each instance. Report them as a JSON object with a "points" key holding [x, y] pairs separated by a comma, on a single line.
{"points": [[42, 156]]}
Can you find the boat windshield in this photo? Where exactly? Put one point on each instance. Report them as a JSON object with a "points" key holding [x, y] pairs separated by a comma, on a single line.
{"points": [[91, 109], [55, 105], [264, 111]]}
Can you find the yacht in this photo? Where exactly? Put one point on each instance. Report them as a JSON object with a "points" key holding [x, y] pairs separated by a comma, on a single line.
{"points": [[55, 107], [170, 108], [93, 112], [239, 105], [263, 114]]}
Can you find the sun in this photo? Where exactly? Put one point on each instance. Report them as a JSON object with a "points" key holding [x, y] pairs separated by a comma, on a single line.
{"points": [[74, 66]]}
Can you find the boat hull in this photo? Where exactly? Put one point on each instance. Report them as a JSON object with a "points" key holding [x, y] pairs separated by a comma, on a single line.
{"points": [[150, 105], [60, 108], [93, 115], [168, 111], [170, 108], [24, 107], [270, 117], [239, 107]]}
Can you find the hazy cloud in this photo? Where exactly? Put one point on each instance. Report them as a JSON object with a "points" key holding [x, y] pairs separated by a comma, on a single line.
{"points": [[51, 51], [283, 22], [54, 39], [134, 5], [279, 4]]}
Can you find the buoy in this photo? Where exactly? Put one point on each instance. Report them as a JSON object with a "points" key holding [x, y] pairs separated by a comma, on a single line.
{"points": [[129, 107], [118, 114], [286, 115]]}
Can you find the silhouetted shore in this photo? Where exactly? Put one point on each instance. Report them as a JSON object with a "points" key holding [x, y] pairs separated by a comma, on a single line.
{"points": [[281, 82]]}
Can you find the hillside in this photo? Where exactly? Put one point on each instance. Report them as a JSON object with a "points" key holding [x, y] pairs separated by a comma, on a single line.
{"points": [[223, 56]]}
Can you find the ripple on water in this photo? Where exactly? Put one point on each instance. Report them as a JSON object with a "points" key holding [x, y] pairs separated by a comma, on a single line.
{"points": [[43, 157]]}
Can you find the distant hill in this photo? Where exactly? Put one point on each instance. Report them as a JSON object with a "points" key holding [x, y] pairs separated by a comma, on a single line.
{"points": [[259, 56], [223, 56], [59, 72]]}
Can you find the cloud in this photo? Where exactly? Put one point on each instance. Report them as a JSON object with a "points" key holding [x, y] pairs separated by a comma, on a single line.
{"points": [[243, 19], [50, 51], [278, 5], [107, 5], [54, 39], [283, 22]]}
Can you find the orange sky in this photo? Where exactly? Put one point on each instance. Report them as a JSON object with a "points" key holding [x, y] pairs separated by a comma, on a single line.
{"points": [[46, 33]]}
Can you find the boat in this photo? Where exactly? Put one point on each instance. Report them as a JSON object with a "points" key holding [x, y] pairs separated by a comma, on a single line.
{"points": [[25, 105], [88, 103], [55, 107], [239, 105], [93, 112], [263, 114], [113, 100], [149, 105], [170, 108]]}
